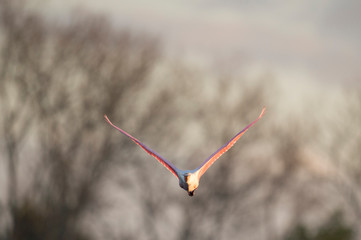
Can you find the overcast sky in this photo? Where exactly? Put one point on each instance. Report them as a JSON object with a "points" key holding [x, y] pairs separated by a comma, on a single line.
{"points": [[304, 39]]}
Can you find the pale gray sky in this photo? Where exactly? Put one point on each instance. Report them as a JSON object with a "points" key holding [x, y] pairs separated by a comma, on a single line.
{"points": [[304, 39]]}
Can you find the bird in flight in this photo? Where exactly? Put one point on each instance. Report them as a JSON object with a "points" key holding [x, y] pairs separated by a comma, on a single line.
{"points": [[189, 179]]}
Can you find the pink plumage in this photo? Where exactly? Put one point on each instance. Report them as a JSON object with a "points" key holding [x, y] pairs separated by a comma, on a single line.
{"points": [[189, 179]]}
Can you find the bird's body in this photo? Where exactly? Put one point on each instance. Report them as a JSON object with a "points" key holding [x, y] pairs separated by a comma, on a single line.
{"points": [[189, 179]]}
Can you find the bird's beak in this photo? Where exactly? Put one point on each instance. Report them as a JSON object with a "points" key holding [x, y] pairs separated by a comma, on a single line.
{"points": [[191, 193]]}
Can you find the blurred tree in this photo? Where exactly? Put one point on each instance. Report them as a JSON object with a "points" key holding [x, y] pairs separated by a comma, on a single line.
{"points": [[333, 229], [56, 82], [344, 150], [300, 232]]}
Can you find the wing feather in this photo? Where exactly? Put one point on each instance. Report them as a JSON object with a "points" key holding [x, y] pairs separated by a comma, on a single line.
{"points": [[209, 161], [163, 161]]}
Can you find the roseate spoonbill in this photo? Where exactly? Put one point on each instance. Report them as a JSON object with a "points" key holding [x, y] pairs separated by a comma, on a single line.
{"points": [[189, 179]]}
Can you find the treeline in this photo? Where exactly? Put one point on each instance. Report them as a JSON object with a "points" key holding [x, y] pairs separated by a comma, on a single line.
{"points": [[68, 175]]}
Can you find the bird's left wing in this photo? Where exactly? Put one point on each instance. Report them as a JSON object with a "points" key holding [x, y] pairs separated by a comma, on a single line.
{"points": [[163, 161], [209, 161]]}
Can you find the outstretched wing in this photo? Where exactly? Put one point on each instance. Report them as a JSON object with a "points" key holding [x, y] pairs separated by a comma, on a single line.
{"points": [[207, 163], [163, 161]]}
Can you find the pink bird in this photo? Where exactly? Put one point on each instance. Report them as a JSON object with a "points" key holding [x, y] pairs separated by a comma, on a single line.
{"points": [[189, 179]]}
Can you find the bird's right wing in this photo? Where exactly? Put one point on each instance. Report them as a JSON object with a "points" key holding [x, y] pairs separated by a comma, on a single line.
{"points": [[163, 161], [208, 162]]}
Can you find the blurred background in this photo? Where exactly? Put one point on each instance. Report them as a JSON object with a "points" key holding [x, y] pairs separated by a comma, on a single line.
{"points": [[183, 77]]}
